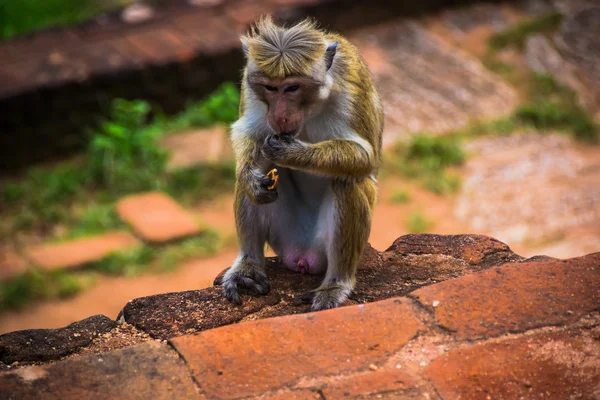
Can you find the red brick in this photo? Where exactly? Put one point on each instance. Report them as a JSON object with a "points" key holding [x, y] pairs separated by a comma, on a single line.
{"points": [[563, 365], [156, 217], [80, 251], [147, 371], [253, 357], [516, 297], [369, 384]]}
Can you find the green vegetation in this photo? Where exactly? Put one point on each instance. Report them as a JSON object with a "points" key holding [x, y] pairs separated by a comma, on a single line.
{"points": [[517, 34], [21, 16], [428, 159], [401, 197], [123, 157], [94, 220], [37, 285], [418, 223], [553, 106], [548, 105]]}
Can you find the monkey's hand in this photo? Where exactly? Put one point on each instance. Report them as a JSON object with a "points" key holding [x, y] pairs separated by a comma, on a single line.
{"points": [[280, 149], [258, 190]]}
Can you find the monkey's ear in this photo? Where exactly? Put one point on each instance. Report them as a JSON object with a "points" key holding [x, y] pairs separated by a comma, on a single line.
{"points": [[329, 54]]}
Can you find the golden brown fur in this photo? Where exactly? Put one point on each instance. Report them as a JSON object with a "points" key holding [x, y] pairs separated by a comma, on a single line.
{"points": [[309, 107]]}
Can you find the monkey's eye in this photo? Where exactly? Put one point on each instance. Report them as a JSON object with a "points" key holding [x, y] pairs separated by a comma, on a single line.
{"points": [[271, 88], [292, 88]]}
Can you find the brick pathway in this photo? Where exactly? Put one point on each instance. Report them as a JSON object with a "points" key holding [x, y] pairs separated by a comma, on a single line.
{"points": [[155, 217], [78, 252], [177, 32], [420, 346]]}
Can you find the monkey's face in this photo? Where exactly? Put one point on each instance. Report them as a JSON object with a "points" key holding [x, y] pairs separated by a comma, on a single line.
{"points": [[290, 100]]}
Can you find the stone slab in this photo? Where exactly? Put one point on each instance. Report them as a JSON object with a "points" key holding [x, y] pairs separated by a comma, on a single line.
{"points": [[52, 344], [561, 365], [80, 251], [156, 217], [516, 297], [251, 358], [146, 371]]}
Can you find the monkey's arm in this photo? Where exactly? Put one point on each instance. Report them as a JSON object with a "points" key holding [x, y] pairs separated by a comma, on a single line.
{"points": [[250, 164], [337, 158]]}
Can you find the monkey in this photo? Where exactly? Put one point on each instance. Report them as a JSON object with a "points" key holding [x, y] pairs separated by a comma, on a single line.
{"points": [[308, 107]]}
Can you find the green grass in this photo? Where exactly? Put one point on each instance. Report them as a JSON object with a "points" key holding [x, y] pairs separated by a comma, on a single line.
{"points": [[37, 285], [18, 17], [418, 223], [427, 158], [516, 35], [401, 197], [549, 106]]}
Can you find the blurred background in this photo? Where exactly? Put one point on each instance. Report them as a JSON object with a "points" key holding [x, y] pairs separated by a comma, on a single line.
{"points": [[116, 171]]}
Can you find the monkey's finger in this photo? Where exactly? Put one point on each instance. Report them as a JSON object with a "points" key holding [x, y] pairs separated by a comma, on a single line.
{"points": [[231, 294], [304, 298]]}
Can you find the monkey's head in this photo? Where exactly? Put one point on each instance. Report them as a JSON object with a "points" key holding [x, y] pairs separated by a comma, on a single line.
{"points": [[287, 69]]}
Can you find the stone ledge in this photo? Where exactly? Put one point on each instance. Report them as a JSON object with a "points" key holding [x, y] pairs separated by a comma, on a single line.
{"points": [[395, 272], [516, 298]]}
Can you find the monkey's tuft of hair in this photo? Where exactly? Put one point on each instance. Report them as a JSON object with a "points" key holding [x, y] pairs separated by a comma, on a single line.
{"points": [[280, 52]]}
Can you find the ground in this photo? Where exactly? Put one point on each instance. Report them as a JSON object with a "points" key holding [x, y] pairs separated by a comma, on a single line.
{"points": [[535, 189]]}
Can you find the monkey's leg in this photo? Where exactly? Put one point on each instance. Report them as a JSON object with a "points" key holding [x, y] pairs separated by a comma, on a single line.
{"points": [[352, 224], [247, 274]]}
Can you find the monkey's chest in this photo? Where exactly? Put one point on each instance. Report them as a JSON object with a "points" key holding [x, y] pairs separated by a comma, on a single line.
{"points": [[300, 225]]}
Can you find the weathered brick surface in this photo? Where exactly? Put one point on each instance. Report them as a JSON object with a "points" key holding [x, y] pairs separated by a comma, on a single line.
{"points": [[52, 344], [80, 251], [369, 384], [564, 365], [156, 217], [517, 297], [174, 314], [302, 394], [480, 250], [147, 371], [380, 276], [248, 359]]}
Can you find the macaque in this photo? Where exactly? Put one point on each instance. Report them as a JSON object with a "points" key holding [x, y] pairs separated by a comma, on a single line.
{"points": [[308, 108]]}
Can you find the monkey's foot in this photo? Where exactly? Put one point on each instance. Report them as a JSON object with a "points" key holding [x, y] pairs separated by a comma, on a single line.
{"points": [[324, 298], [247, 279]]}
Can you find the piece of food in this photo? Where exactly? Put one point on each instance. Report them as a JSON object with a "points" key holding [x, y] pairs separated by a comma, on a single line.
{"points": [[274, 177]]}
